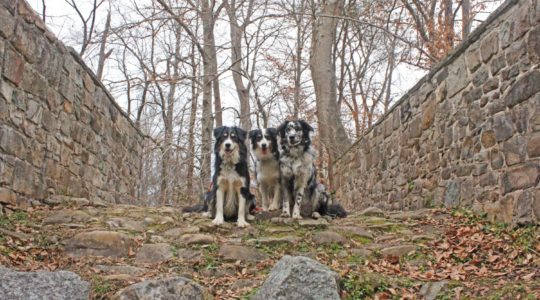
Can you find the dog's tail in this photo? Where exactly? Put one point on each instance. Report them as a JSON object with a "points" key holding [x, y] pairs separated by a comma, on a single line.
{"points": [[335, 211], [197, 208]]}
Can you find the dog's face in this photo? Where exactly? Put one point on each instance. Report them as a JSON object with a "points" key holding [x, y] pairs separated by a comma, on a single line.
{"points": [[293, 133], [263, 142], [229, 141]]}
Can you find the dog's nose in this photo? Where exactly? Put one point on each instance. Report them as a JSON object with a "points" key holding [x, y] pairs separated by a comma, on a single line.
{"points": [[227, 145], [264, 146], [291, 138]]}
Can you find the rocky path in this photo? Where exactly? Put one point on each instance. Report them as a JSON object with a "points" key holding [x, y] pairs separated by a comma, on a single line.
{"points": [[431, 254]]}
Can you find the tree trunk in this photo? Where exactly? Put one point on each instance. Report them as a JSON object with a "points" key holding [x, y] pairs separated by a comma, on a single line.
{"points": [[466, 23], [236, 67], [102, 55], [191, 130], [332, 132]]}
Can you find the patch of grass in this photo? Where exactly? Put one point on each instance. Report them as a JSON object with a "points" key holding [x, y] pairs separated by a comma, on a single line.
{"points": [[361, 239], [100, 287], [358, 286], [356, 259], [303, 247], [525, 237]]}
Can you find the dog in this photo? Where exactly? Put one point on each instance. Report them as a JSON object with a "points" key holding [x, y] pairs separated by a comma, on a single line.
{"points": [[297, 166], [299, 185], [230, 197], [265, 148]]}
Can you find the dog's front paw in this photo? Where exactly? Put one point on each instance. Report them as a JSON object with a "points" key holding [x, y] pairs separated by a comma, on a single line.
{"points": [[296, 215], [242, 223], [250, 217], [285, 214], [207, 214], [273, 206], [218, 221]]}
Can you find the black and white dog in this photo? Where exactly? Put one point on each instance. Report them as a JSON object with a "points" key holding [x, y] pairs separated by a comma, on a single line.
{"points": [[297, 166], [230, 197], [265, 148], [298, 174]]}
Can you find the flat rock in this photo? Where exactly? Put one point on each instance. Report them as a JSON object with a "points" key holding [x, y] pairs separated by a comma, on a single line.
{"points": [[361, 252], [196, 239], [18, 235], [313, 222], [99, 243], [177, 232], [412, 215], [154, 253], [127, 270], [354, 230], [299, 278], [232, 252], [372, 211], [42, 285], [171, 288], [279, 220], [398, 251], [279, 229], [431, 290], [125, 224], [288, 239], [328, 237], [67, 216], [188, 254]]}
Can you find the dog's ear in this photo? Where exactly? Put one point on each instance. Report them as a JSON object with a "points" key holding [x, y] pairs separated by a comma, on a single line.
{"points": [[218, 132], [281, 128], [253, 133], [306, 126], [272, 131], [242, 134]]}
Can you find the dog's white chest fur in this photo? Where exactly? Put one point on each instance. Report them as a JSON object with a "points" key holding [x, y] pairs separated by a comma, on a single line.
{"points": [[297, 163]]}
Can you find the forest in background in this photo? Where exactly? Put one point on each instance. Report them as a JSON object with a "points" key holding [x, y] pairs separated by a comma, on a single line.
{"points": [[181, 68]]}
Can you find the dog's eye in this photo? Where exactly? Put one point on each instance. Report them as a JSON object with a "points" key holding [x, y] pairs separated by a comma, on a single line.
{"points": [[226, 135]]}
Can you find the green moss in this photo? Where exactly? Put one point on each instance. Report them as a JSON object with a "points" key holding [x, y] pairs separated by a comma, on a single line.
{"points": [[100, 287], [362, 286]]}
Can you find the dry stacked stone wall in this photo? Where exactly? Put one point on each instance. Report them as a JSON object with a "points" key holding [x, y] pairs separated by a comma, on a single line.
{"points": [[61, 133], [468, 134]]}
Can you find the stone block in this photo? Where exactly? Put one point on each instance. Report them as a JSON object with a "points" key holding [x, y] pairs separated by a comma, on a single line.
{"points": [[452, 193], [7, 24], [502, 126], [533, 45], [520, 178], [536, 204], [457, 76], [480, 76], [489, 45], [524, 88], [415, 128], [533, 146], [13, 66], [472, 57], [514, 150], [12, 142], [24, 179], [497, 63]]}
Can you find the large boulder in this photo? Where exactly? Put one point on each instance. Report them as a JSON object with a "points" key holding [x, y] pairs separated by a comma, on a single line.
{"points": [[302, 278], [42, 285], [178, 288]]}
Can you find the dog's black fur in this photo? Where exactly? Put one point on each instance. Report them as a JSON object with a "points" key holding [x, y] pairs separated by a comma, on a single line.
{"points": [[265, 148]]}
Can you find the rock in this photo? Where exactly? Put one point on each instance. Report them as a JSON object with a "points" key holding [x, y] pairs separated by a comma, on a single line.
{"points": [[177, 232], [520, 178], [502, 126], [241, 284], [98, 203], [523, 89], [430, 290], [372, 212], [42, 285], [196, 239], [188, 254], [171, 288], [275, 230], [231, 252], [125, 224], [354, 230], [67, 216], [127, 270], [452, 194], [154, 253], [18, 235], [299, 278], [279, 220], [8, 197], [398, 251], [288, 239], [489, 45], [361, 252], [409, 215], [533, 146], [99, 243], [328, 237], [313, 222]]}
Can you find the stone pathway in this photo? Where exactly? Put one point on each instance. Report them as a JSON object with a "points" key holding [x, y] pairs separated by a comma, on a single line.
{"points": [[115, 247]]}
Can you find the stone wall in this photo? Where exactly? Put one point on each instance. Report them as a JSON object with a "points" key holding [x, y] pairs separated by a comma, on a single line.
{"points": [[61, 132], [468, 134]]}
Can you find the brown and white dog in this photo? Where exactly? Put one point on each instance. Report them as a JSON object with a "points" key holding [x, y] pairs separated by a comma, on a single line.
{"points": [[265, 149]]}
